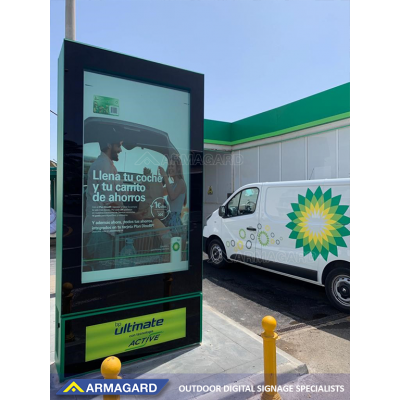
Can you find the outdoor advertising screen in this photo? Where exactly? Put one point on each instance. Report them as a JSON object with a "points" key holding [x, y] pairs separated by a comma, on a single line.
{"points": [[129, 208], [135, 185]]}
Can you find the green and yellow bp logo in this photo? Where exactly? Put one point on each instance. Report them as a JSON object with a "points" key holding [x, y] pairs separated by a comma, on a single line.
{"points": [[318, 223]]}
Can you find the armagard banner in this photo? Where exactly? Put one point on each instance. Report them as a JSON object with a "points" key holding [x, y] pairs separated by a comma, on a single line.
{"points": [[112, 387]]}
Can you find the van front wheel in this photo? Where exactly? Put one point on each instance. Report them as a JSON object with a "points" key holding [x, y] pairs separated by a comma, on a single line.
{"points": [[217, 254], [337, 287]]}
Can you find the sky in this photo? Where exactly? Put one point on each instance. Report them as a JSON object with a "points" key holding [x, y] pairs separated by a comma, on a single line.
{"points": [[255, 54]]}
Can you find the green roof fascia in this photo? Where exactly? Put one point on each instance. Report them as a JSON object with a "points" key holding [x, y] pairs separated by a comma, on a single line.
{"points": [[217, 132], [293, 128], [321, 108]]}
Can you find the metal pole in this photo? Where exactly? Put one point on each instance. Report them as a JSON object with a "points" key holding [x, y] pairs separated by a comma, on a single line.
{"points": [[70, 19]]}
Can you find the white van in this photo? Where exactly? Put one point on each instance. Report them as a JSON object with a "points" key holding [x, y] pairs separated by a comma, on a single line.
{"points": [[299, 229]]}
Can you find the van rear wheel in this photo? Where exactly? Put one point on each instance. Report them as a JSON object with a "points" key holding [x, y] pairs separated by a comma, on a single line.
{"points": [[217, 254], [337, 288]]}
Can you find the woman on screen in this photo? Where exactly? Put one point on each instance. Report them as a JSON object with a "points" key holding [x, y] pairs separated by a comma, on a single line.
{"points": [[176, 193]]}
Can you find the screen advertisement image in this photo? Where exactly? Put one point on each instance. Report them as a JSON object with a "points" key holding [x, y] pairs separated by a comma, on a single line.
{"points": [[136, 141]]}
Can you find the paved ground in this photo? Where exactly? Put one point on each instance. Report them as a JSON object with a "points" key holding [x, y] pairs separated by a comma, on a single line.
{"points": [[325, 349], [228, 353], [310, 329], [246, 295]]}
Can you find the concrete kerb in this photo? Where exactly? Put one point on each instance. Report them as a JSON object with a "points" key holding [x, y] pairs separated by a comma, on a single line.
{"points": [[292, 366]]}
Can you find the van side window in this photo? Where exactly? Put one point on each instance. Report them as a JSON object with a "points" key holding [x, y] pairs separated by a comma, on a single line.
{"points": [[233, 206], [243, 203], [248, 201]]}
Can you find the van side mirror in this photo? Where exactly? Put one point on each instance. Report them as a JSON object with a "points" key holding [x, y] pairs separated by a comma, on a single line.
{"points": [[221, 211]]}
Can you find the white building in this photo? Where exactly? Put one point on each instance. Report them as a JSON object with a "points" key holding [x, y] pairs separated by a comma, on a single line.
{"points": [[306, 139]]}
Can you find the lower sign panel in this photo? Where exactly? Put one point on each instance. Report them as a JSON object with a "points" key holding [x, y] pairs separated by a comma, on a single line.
{"points": [[129, 333], [134, 333]]}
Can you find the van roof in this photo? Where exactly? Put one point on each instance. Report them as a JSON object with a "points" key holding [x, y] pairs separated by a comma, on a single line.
{"points": [[336, 181], [314, 182]]}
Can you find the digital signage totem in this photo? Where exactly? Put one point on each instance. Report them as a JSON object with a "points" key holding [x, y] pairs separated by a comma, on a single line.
{"points": [[129, 245]]}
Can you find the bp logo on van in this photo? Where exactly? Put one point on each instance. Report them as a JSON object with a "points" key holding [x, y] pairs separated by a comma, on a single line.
{"points": [[318, 223]]}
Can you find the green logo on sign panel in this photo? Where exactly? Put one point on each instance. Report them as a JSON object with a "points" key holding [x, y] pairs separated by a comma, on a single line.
{"points": [[176, 246]]}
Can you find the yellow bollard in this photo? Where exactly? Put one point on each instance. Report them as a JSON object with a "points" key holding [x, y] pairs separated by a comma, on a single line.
{"points": [[269, 338], [110, 368]]}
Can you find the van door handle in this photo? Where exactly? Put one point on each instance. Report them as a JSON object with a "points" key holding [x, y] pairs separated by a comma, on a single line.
{"points": [[250, 228]]}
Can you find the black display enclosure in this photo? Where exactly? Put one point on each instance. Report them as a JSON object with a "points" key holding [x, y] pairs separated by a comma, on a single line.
{"points": [[81, 297]]}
